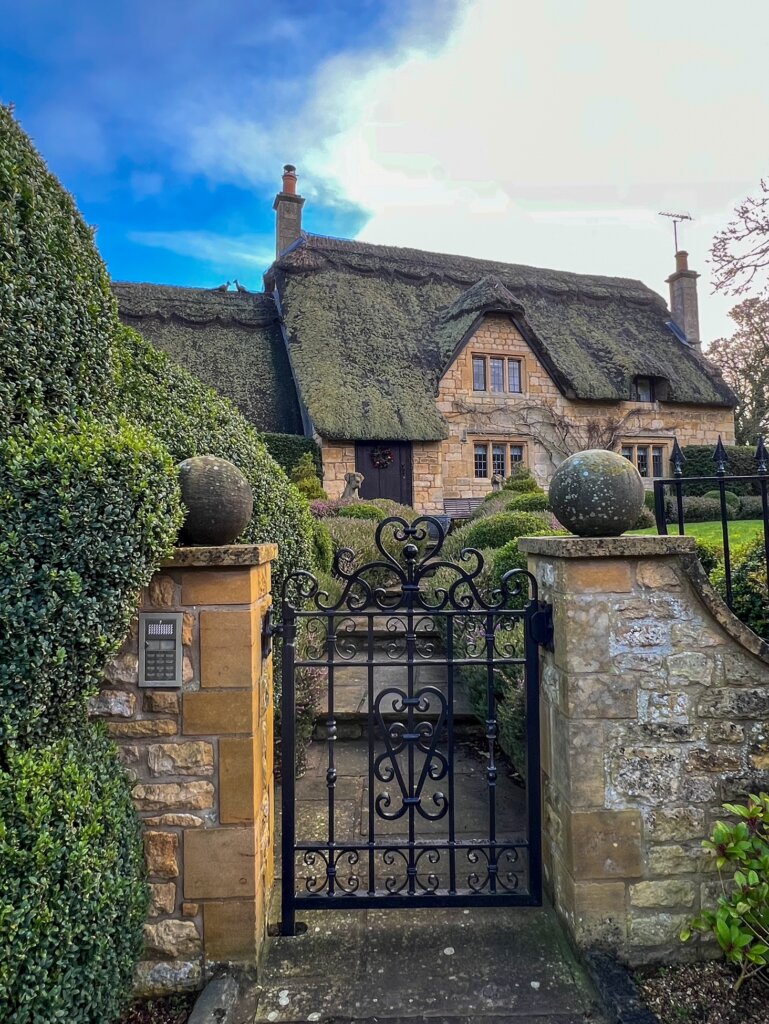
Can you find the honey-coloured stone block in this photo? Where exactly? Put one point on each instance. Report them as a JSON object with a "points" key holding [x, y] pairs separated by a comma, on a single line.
{"points": [[174, 940], [229, 644], [219, 863], [235, 585], [210, 714], [162, 702], [230, 930], [160, 850], [604, 844], [143, 727], [162, 898], [240, 780], [173, 796], [190, 757]]}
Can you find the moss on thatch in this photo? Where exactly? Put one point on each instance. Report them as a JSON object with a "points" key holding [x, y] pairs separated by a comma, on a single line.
{"points": [[372, 328], [229, 340]]}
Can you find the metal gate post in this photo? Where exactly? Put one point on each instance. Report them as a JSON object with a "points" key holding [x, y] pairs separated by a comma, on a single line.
{"points": [[533, 638], [288, 772]]}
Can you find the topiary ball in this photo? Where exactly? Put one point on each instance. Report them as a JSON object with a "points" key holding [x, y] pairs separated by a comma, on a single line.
{"points": [[597, 493], [217, 498]]}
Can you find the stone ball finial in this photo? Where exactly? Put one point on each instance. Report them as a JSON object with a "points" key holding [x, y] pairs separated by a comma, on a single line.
{"points": [[218, 500], [597, 493]]}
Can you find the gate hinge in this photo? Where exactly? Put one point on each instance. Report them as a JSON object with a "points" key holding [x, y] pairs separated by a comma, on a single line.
{"points": [[542, 625], [269, 630]]}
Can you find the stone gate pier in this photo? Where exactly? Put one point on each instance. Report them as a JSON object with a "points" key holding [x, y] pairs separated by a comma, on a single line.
{"points": [[200, 756], [655, 709]]}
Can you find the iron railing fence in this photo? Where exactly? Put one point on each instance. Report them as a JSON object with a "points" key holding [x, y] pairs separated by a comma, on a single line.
{"points": [[669, 496]]}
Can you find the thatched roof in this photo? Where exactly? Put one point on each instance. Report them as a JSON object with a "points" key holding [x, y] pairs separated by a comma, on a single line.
{"points": [[230, 340], [372, 328]]}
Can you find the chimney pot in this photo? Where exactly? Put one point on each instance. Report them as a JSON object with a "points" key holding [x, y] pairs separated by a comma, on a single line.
{"points": [[682, 260], [288, 209], [289, 179]]}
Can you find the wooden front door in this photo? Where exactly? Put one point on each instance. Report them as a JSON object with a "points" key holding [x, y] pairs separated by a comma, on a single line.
{"points": [[382, 477]]}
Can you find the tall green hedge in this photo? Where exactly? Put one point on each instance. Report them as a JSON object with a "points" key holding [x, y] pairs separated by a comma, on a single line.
{"points": [[56, 307], [699, 462], [71, 911], [191, 419], [88, 510], [287, 450]]}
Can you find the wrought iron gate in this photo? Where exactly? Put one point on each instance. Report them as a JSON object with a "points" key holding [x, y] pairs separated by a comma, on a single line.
{"points": [[408, 613]]}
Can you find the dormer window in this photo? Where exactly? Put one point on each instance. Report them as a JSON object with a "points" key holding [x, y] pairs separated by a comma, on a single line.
{"points": [[498, 374], [644, 389]]}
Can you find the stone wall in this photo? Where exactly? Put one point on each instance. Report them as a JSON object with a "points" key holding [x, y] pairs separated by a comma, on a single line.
{"points": [[485, 416], [654, 708], [446, 469], [200, 759]]}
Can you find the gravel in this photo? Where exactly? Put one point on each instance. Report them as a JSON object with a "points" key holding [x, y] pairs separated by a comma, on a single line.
{"points": [[172, 1010], [703, 994]]}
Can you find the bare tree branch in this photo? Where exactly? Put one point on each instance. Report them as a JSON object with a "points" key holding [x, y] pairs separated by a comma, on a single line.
{"points": [[740, 253]]}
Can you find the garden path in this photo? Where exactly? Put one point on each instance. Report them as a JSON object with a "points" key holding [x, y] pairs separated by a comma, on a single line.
{"points": [[510, 966]]}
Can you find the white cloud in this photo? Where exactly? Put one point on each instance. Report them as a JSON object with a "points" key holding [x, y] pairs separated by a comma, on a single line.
{"points": [[223, 252], [548, 133]]}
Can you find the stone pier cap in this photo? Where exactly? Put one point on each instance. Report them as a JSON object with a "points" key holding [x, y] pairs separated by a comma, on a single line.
{"points": [[607, 547]]}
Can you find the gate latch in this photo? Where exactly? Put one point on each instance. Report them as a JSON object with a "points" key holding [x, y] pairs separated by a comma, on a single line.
{"points": [[269, 630], [542, 625]]}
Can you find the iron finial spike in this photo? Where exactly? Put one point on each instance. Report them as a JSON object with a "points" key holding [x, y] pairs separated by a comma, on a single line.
{"points": [[677, 458], [762, 456], [720, 457]]}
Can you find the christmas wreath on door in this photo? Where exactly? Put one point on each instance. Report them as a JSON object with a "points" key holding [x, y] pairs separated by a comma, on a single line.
{"points": [[382, 457]]}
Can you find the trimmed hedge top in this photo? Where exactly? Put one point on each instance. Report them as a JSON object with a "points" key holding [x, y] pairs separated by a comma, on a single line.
{"points": [[191, 419], [57, 313]]}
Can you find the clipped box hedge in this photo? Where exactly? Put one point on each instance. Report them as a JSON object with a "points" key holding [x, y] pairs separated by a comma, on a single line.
{"points": [[88, 510], [72, 896], [56, 307], [287, 450]]}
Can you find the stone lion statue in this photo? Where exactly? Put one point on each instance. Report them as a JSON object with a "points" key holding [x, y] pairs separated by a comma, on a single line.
{"points": [[352, 482]]}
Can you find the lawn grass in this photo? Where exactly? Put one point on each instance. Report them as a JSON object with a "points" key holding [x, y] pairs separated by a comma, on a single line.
{"points": [[740, 531]]}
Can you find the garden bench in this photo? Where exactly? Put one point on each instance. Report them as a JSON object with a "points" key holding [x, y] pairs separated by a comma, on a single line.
{"points": [[460, 508]]}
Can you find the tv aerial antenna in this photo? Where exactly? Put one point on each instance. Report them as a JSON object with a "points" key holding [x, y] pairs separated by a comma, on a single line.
{"points": [[677, 219]]}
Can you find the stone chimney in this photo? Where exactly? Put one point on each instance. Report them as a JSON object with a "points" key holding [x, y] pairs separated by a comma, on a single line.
{"points": [[288, 206], [683, 300]]}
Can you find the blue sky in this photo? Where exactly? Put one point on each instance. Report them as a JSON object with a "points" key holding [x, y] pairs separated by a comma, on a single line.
{"points": [[113, 95], [547, 133]]}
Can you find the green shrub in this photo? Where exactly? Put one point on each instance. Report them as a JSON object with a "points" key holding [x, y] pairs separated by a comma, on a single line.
{"points": [[649, 500], [732, 499], [699, 462], [703, 510], [495, 531], [750, 598], [322, 547], [72, 896], [87, 512], [521, 479], [709, 554], [191, 419], [504, 560], [751, 507], [57, 313], [288, 449], [497, 501], [530, 501], [645, 519], [740, 921], [394, 508], [362, 510], [306, 480]]}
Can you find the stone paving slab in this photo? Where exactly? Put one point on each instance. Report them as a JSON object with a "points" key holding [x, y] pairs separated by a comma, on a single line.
{"points": [[455, 966]]}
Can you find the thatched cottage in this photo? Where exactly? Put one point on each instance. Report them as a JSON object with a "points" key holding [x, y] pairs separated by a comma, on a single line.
{"points": [[430, 373]]}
